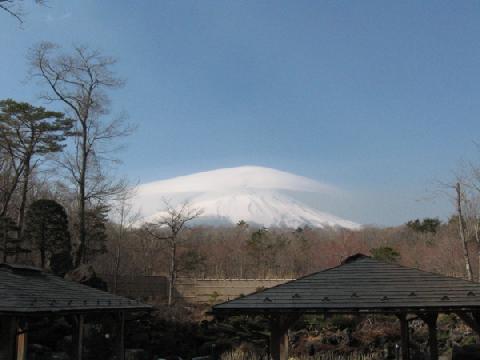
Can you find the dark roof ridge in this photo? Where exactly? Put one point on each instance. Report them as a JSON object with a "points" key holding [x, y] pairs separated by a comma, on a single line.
{"points": [[305, 276], [20, 268], [360, 256], [353, 258], [425, 271]]}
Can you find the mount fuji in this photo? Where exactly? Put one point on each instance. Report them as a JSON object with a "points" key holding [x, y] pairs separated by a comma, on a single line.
{"points": [[257, 195]]}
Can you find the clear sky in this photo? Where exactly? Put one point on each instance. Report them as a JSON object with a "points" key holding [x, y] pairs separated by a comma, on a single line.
{"points": [[380, 98]]}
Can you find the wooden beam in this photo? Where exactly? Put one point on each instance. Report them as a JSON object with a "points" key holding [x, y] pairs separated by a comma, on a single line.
{"points": [[8, 336], [405, 336], [278, 343], [279, 325], [120, 336], [12, 340], [22, 343], [77, 337], [431, 320]]}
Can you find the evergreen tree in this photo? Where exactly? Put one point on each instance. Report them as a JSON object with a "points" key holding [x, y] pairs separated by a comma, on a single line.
{"points": [[263, 247], [385, 253], [96, 237], [26, 134], [427, 225], [9, 242], [46, 229]]}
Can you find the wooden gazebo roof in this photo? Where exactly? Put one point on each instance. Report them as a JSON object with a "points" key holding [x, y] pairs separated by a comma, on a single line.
{"points": [[362, 284], [28, 291]]}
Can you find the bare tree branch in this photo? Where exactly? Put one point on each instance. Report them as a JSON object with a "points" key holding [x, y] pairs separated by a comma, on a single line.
{"points": [[80, 80], [168, 228], [15, 9]]}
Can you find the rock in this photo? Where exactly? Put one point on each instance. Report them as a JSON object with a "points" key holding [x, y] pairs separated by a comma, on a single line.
{"points": [[135, 354], [468, 352], [59, 356], [86, 275], [347, 337]]}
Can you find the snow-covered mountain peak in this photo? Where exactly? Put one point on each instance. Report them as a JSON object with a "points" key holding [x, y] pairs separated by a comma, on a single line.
{"points": [[254, 194]]}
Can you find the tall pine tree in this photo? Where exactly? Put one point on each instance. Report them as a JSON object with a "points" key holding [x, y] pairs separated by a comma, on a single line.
{"points": [[96, 237], [28, 133], [46, 229]]}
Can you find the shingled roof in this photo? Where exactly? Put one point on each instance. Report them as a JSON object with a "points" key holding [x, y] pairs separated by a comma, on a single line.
{"points": [[28, 290], [362, 284]]}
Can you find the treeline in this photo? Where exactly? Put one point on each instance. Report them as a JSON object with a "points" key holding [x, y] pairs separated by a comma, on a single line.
{"points": [[56, 182], [245, 251]]}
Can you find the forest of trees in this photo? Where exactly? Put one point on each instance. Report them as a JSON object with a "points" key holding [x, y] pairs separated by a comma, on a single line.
{"points": [[243, 251]]}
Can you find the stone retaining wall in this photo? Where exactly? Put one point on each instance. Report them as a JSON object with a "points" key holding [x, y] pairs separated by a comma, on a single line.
{"points": [[191, 290]]}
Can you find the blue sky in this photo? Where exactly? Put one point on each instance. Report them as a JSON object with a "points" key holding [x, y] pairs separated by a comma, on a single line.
{"points": [[379, 98]]}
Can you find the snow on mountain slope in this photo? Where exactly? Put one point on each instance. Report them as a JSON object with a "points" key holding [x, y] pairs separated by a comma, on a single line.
{"points": [[250, 193]]}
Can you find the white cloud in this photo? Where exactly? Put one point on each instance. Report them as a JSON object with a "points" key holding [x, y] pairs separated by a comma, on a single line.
{"points": [[243, 177]]}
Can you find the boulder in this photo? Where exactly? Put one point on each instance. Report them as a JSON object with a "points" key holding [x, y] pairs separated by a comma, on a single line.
{"points": [[135, 354], [468, 352], [86, 275]]}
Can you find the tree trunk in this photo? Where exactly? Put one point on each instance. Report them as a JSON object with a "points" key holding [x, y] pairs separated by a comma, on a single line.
{"points": [[80, 258], [477, 239], [116, 269], [7, 196], [173, 273], [5, 239], [23, 203], [42, 258], [461, 230]]}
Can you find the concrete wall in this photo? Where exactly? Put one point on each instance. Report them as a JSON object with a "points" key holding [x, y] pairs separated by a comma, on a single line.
{"points": [[191, 290], [202, 291], [143, 287]]}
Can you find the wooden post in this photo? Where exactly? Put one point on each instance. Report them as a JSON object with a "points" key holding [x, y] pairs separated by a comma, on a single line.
{"points": [[279, 325], [78, 337], [431, 321], [278, 340], [8, 337], [405, 336], [120, 336], [22, 341]]}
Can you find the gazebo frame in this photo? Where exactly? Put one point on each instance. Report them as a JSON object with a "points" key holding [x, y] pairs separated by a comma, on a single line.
{"points": [[362, 285], [28, 293]]}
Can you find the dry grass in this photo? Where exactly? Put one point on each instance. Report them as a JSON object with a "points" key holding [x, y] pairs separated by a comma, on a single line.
{"points": [[239, 355]]}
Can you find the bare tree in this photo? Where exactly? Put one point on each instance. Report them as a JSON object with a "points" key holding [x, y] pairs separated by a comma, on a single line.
{"points": [[15, 8], [460, 196], [80, 80], [168, 228], [125, 217], [471, 193], [471, 211]]}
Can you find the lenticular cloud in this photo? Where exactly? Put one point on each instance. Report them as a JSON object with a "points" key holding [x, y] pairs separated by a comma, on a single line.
{"points": [[244, 177]]}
